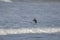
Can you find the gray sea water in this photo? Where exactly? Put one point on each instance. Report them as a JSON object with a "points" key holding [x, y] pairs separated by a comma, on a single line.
{"points": [[19, 14]]}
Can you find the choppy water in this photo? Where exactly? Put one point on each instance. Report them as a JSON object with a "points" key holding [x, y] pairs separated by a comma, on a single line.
{"points": [[22, 14]]}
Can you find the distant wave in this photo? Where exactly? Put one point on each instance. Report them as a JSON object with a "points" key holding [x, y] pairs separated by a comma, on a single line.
{"points": [[30, 0], [6, 0], [28, 30]]}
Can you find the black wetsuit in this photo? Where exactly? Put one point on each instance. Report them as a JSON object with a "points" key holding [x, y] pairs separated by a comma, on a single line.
{"points": [[35, 20]]}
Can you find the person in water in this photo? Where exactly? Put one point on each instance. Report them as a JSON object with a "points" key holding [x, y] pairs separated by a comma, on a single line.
{"points": [[35, 20]]}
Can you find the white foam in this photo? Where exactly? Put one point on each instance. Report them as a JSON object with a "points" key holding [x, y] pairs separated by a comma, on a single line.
{"points": [[28, 30], [6, 0]]}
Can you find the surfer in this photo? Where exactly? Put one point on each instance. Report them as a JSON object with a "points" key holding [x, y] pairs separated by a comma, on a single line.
{"points": [[35, 20]]}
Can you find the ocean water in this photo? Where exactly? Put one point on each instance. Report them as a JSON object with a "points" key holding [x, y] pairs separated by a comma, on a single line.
{"points": [[16, 20], [22, 14]]}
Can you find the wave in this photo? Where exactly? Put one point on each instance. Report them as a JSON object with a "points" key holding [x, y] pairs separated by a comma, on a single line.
{"points": [[28, 30], [30, 0], [6, 0]]}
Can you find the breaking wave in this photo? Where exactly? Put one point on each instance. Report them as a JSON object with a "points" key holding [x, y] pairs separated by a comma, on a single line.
{"points": [[6, 0], [28, 30], [30, 0]]}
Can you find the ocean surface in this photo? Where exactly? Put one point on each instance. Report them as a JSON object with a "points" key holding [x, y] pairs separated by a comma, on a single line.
{"points": [[16, 20]]}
